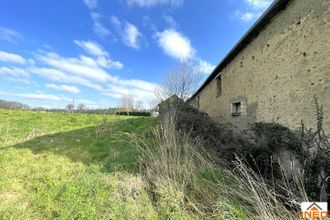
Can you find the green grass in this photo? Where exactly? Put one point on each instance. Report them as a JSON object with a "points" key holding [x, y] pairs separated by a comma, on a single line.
{"points": [[71, 166], [79, 166]]}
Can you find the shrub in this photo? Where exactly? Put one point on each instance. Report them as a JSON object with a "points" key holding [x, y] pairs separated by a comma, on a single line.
{"points": [[134, 113]]}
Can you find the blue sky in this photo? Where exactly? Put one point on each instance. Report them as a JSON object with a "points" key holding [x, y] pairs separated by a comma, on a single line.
{"points": [[96, 51]]}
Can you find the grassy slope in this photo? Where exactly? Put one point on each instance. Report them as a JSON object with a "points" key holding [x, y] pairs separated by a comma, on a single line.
{"points": [[70, 166]]}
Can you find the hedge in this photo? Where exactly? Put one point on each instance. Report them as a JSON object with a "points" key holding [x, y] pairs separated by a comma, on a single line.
{"points": [[134, 113]]}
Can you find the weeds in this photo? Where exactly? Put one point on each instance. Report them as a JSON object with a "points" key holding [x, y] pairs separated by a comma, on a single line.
{"points": [[265, 200], [317, 164], [106, 128], [184, 180]]}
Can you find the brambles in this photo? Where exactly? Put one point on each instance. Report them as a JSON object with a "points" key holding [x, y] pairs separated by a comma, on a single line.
{"points": [[292, 166], [317, 163]]}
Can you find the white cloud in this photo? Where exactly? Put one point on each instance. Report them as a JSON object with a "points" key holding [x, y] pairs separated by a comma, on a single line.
{"points": [[175, 45], [138, 89], [205, 67], [259, 4], [67, 74], [252, 10], [245, 16], [41, 96], [10, 35], [59, 76], [91, 4], [115, 21], [103, 58], [12, 58], [82, 66], [99, 28], [64, 88], [14, 72], [130, 34], [92, 48], [151, 3], [170, 21]]}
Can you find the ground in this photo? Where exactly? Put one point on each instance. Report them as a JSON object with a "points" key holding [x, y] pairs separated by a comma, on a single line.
{"points": [[71, 166]]}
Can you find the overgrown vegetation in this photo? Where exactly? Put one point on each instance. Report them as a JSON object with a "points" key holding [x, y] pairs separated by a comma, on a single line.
{"points": [[272, 164], [316, 146], [184, 180], [264, 198]]}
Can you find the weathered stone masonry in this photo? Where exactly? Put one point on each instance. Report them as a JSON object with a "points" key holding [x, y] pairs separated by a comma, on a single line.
{"points": [[277, 73]]}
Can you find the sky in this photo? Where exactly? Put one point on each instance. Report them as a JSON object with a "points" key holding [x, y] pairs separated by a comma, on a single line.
{"points": [[97, 51]]}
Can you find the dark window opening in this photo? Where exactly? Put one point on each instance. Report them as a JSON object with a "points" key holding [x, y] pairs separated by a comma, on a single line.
{"points": [[219, 86], [236, 109]]}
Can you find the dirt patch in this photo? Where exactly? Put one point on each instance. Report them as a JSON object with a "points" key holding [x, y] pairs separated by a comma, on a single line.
{"points": [[9, 196]]}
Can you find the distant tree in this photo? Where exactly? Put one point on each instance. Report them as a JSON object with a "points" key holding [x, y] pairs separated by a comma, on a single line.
{"points": [[81, 107], [139, 105], [183, 81], [153, 103], [70, 107], [127, 103], [12, 105]]}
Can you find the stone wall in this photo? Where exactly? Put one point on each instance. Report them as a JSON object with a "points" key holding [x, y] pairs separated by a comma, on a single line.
{"points": [[276, 76]]}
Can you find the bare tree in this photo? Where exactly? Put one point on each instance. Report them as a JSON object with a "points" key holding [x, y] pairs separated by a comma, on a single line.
{"points": [[70, 107], [81, 107], [182, 81], [139, 105], [127, 103], [12, 105]]}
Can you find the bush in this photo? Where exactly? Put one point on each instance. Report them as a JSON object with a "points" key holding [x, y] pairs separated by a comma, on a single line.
{"points": [[134, 113]]}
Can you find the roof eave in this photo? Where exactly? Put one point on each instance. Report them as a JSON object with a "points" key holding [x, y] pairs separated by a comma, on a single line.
{"points": [[273, 9]]}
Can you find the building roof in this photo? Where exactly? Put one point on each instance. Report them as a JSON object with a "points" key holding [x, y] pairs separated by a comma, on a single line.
{"points": [[251, 34]]}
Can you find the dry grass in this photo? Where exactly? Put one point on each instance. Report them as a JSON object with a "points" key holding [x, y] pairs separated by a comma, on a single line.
{"points": [[265, 200], [184, 180]]}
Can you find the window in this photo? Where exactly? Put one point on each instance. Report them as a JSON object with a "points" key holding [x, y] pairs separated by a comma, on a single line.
{"points": [[219, 86], [236, 109]]}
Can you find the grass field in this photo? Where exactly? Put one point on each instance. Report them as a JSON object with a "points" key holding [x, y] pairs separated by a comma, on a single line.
{"points": [[80, 166], [71, 166]]}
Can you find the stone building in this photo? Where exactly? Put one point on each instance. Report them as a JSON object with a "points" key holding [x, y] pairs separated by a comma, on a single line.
{"points": [[273, 73]]}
